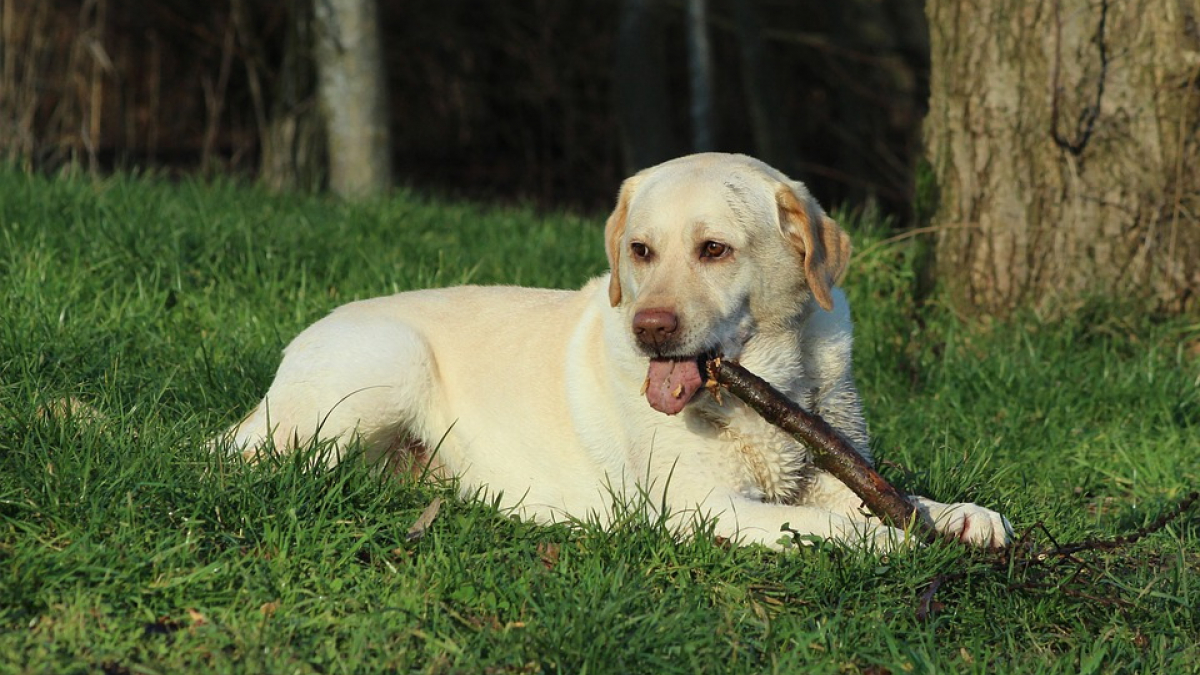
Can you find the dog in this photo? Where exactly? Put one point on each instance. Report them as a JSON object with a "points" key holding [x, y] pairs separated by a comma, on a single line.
{"points": [[558, 402]]}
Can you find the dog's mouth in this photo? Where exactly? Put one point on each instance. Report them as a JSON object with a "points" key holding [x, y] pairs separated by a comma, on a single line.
{"points": [[672, 382]]}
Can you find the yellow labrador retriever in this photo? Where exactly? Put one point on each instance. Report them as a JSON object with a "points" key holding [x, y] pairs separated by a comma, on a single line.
{"points": [[556, 400]]}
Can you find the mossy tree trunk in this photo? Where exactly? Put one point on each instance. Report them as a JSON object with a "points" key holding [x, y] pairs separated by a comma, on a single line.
{"points": [[1063, 135]]}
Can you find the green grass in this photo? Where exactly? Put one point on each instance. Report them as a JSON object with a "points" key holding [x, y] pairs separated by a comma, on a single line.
{"points": [[125, 548]]}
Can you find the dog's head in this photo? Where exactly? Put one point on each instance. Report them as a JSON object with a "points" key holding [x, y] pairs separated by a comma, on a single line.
{"points": [[708, 250]]}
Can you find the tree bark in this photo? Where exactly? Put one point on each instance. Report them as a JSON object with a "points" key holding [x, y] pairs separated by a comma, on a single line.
{"points": [[640, 90], [761, 84], [353, 96], [1063, 138], [291, 145], [700, 76]]}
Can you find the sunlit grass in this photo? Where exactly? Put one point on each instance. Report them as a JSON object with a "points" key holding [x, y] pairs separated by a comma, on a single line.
{"points": [[126, 548]]}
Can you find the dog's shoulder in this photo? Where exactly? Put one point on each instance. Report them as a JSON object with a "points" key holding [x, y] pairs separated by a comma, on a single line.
{"points": [[826, 341]]}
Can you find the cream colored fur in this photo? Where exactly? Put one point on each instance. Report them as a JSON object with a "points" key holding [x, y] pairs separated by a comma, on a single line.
{"points": [[537, 394]]}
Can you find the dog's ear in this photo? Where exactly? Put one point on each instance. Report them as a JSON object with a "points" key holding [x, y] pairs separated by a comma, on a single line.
{"points": [[614, 230], [823, 246]]}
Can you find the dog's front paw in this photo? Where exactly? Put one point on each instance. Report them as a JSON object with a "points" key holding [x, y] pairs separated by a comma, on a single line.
{"points": [[974, 525]]}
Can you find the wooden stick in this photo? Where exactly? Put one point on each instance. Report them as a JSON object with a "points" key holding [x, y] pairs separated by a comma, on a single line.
{"points": [[831, 451]]}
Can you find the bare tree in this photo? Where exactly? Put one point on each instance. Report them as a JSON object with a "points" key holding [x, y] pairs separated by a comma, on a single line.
{"points": [[291, 146], [353, 96], [1064, 138], [772, 142], [700, 71]]}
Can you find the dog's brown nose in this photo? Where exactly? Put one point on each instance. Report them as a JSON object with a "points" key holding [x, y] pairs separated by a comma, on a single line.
{"points": [[655, 327]]}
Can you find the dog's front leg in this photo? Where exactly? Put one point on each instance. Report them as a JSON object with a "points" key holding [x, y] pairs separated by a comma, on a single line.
{"points": [[751, 521]]}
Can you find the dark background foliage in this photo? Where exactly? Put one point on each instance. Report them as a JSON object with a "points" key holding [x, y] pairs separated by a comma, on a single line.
{"points": [[491, 99]]}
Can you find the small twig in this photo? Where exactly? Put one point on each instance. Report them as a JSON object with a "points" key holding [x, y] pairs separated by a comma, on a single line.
{"points": [[831, 451], [926, 606], [1126, 539], [1032, 558], [909, 234]]}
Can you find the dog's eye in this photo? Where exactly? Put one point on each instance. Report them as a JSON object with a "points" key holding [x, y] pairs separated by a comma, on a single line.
{"points": [[714, 250], [640, 250]]}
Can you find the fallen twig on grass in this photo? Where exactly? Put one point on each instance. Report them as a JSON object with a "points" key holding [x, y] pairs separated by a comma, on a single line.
{"points": [[1024, 557], [831, 451], [835, 454]]}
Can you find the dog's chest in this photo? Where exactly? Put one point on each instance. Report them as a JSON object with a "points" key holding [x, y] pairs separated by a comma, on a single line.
{"points": [[774, 465]]}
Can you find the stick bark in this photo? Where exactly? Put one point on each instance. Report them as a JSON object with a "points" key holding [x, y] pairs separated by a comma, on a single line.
{"points": [[831, 451]]}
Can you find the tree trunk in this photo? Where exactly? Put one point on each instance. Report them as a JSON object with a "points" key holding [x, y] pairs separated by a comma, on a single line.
{"points": [[1063, 138], [291, 145], [353, 98], [700, 76], [640, 88], [762, 85]]}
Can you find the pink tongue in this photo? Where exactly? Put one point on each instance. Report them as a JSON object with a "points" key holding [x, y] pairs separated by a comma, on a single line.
{"points": [[671, 384]]}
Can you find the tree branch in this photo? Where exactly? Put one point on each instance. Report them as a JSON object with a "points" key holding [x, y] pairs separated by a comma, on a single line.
{"points": [[831, 452]]}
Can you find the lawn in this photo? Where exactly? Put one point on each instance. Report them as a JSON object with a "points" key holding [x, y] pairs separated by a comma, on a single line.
{"points": [[126, 548]]}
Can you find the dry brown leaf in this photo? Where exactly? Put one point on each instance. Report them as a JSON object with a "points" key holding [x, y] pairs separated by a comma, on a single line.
{"points": [[549, 554], [69, 407], [425, 520]]}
